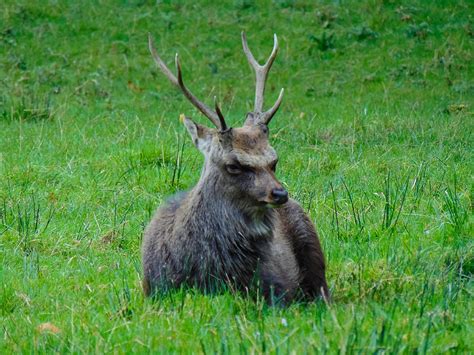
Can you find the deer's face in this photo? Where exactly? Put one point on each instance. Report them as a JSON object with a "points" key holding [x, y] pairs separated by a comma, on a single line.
{"points": [[249, 163], [244, 161]]}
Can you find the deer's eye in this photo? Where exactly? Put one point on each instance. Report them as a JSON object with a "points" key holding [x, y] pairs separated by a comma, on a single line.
{"points": [[233, 169]]}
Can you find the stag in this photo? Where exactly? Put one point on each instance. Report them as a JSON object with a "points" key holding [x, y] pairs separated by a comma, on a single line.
{"points": [[236, 227]]}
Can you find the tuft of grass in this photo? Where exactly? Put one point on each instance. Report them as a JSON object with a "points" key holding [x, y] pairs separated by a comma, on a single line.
{"points": [[28, 219], [457, 213], [28, 107], [395, 197], [323, 42], [420, 31], [364, 33]]}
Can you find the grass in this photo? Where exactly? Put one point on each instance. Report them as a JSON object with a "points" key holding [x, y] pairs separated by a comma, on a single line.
{"points": [[374, 137]]}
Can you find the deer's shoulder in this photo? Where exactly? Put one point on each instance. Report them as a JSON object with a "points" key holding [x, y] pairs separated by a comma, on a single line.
{"points": [[295, 219], [172, 203], [164, 216]]}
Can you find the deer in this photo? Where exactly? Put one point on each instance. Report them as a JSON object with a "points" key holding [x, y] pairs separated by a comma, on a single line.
{"points": [[237, 227]]}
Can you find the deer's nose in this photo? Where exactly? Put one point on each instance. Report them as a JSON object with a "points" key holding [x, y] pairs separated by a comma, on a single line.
{"points": [[280, 196]]}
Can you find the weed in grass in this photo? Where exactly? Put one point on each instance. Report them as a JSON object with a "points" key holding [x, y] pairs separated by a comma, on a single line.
{"points": [[29, 107], [324, 42], [31, 265], [420, 31], [336, 217], [244, 4], [285, 4], [457, 214], [7, 300], [178, 165], [364, 33], [395, 197], [7, 36], [356, 214], [28, 218], [120, 301], [419, 184], [469, 28], [326, 16]]}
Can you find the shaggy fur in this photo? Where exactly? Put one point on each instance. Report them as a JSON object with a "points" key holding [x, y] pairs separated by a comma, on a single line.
{"points": [[225, 230]]}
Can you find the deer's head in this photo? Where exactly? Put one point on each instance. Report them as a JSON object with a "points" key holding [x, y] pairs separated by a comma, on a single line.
{"points": [[241, 158]]}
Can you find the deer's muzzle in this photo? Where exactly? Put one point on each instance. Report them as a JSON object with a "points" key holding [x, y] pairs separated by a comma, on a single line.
{"points": [[279, 196]]}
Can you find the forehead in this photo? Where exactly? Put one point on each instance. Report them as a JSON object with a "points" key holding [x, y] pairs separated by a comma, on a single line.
{"points": [[250, 146]]}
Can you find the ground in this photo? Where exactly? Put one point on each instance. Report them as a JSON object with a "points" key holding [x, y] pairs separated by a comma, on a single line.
{"points": [[375, 138]]}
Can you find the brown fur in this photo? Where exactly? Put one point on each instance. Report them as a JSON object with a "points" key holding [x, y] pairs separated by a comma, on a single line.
{"points": [[250, 140], [225, 230]]}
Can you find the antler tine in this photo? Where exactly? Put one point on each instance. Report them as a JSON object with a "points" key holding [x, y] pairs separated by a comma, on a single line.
{"points": [[261, 73], [248, 53], [267, 116], [215, 117], [219, 113]]}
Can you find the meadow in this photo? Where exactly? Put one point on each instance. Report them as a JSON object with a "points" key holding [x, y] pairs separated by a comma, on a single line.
{"points": [[375, 138]]}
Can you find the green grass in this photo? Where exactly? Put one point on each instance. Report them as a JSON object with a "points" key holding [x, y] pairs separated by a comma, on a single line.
{"points": [[374, 136]]}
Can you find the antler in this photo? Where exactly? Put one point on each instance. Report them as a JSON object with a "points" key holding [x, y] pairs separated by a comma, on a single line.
{"points": [[216, 116], [261, 73]]}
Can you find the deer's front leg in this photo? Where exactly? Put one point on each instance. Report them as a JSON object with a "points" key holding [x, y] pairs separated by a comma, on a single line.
{"points": [[301, 234], [275, 289], [310, 260], [280, 272]]}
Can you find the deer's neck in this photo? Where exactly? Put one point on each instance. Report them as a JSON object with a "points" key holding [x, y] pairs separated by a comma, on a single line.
{"points": [[213, 211]]}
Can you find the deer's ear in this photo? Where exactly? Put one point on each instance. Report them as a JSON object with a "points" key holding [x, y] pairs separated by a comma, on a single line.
{"points": [[201, 135]]}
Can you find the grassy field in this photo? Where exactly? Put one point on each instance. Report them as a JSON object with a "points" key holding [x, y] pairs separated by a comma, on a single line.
{"points": [[375, 137]]}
